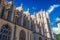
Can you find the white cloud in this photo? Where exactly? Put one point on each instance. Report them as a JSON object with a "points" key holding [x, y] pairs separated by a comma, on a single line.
{"points": [[56, 31], [52, 8], [55, 28], [57, 19]]}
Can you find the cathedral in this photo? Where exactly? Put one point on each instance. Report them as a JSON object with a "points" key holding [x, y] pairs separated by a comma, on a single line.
{"points": [[17, 24]]}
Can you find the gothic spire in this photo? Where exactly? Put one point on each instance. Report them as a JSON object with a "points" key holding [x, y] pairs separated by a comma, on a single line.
{"points": [[12, 2], [34, 13], [28, 10], [21, 5]]}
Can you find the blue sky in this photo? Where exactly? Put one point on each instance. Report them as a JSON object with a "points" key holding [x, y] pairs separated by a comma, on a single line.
{"points": [[52, 6]]}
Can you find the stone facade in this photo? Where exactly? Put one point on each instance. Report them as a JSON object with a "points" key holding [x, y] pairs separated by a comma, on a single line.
{"points": [[20, 25]]}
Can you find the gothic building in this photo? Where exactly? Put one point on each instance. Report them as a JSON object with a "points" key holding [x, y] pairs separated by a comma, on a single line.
{"points": [[16, 24]]}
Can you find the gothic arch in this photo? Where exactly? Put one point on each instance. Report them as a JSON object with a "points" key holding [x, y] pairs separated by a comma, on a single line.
{"points": [[7, 26], [40, 38], [5, 32], [2, 13], [22, 35]]}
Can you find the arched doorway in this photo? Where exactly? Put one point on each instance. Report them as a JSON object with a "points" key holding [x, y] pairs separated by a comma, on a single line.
{"points": [[22, 35], [40, 38], [5, 32]]}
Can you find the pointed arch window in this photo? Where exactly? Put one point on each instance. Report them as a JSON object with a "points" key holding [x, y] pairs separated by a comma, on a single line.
{"points": [[9, 15], [0, 1], [5, 33], [2, 14], [39, 28], [32, 25], [22, 35], [20, 18], [24, 20]]}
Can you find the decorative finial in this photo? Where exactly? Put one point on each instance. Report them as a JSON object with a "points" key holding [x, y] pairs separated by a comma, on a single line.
{"points": [[28, 10], [34, 13], [41, 9], [12, 2], [21, 5]]}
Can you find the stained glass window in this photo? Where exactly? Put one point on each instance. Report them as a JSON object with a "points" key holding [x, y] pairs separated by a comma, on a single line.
{"points": [[5, 32]]}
